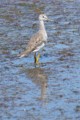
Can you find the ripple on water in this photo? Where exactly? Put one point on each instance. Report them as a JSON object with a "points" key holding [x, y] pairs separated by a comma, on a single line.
{"points": [[50, 90]]}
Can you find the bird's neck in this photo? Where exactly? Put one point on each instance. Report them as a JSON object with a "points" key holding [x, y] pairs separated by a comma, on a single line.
{"points": [[41, 25]]}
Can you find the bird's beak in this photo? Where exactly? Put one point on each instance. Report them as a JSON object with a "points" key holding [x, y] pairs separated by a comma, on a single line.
{"points": [[49, 19]]}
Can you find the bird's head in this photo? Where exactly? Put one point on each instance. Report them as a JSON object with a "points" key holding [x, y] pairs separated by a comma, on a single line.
{"points": [[43, 17]]}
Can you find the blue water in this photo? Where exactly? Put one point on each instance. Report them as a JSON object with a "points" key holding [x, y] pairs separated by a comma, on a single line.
{"points": [[51, 90]]}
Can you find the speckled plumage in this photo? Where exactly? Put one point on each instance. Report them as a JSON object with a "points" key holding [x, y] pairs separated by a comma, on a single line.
{"points": [[38, 40]]}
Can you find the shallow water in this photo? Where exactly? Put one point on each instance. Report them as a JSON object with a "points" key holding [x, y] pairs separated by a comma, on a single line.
{"points": [[50, 91]]}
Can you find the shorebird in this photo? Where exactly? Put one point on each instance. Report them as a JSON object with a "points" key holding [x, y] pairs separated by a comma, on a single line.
{"points": [[38, 40]]}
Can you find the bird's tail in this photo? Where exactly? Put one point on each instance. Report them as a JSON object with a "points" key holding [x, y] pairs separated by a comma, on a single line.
{"points": [[25, 53]]}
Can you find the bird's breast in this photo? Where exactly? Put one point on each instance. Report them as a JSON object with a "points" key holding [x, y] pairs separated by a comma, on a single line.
{"points": [[45, 36]]}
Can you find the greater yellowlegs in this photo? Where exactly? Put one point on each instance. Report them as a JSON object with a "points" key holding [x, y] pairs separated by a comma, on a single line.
{"points": [[38, 40]]}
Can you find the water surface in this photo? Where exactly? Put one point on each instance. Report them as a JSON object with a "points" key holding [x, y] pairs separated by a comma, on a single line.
{"points": [[50, 91]]}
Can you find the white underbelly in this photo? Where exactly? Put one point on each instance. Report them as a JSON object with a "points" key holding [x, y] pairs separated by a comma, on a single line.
{"points": [[39, 47], [45, 37]]}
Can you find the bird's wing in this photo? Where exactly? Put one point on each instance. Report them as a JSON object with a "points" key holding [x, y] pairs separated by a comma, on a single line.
{"points": [[35, 41]]}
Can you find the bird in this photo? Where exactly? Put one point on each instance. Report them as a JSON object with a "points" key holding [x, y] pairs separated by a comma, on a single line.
{"points": [[38, 40]]}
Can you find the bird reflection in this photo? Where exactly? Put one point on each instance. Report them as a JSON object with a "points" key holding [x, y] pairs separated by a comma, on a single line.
{"points": [[39, 77]]}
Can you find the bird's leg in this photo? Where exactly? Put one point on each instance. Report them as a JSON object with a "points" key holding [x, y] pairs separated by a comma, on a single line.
{"points": [[37, 58]]}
